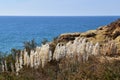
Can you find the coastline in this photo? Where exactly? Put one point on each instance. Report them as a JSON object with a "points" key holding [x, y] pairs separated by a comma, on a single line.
{"points": [[102, 43], [22, 29]]}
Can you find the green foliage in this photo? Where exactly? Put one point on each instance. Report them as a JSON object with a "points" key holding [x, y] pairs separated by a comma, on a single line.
{"points": [[30, 45], [44, 41]]}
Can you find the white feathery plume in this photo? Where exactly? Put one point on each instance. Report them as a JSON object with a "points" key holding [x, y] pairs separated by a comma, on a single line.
{"points": [[60, 51], [17, 65], [90, 48], [12, 67], [25, 57], [3, 66], [96, 49], [6, 69], [87, 50], [83, 50], [28, 60], [21, 60], [35, 58], [56, 52], [69, 49], [50, 56], [31, 58], [44, 54]]}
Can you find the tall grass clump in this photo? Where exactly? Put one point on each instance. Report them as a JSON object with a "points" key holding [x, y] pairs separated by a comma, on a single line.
{"points": [[66, 68]]}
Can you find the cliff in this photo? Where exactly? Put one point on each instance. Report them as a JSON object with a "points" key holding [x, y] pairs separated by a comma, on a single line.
{"points": [[103, 34]]}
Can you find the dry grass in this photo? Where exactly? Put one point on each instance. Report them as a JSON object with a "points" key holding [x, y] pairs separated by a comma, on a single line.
{"points": [[102, 67], [70, 69]]}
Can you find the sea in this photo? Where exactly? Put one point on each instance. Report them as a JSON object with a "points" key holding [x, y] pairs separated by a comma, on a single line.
{"points": [[14, 30]]}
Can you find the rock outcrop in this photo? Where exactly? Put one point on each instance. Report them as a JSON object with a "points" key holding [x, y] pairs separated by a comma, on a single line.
{"points": [[104, 34]]}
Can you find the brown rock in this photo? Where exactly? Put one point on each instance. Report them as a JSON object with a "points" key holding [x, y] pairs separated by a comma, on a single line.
{"points": [[68, 37]]}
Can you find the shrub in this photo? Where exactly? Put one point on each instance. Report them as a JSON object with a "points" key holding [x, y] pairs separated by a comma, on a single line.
{"points": [[30, 45], [44, 41]]}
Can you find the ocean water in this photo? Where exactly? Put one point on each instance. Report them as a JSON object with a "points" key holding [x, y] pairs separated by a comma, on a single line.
{"points": [[14, 30]]}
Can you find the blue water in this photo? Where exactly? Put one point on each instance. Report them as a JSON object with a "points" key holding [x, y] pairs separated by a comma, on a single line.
{"points": [[15, 30]]}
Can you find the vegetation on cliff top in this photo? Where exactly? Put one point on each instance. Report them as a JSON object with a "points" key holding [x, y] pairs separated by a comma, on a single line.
{"points": [[105, 67]]}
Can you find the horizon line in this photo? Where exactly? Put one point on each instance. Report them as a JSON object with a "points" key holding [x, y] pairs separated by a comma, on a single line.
{"points": [[58, 15]]}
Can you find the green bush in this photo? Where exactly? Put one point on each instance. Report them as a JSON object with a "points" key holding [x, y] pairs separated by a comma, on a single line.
{"points": [[30, 45]]}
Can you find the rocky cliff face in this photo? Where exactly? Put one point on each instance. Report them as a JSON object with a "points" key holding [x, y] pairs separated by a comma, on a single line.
{"points": [[104, 34], [103, 41]]}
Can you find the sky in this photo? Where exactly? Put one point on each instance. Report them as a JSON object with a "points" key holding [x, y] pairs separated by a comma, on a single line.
{"points": [[59, 7]]}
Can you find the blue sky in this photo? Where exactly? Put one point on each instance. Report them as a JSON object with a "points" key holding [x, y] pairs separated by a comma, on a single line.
{"points": [[59, 7]]}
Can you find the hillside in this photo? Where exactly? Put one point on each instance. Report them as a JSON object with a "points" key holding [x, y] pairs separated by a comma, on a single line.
{"points": [[89, 55], [103, 34]]}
